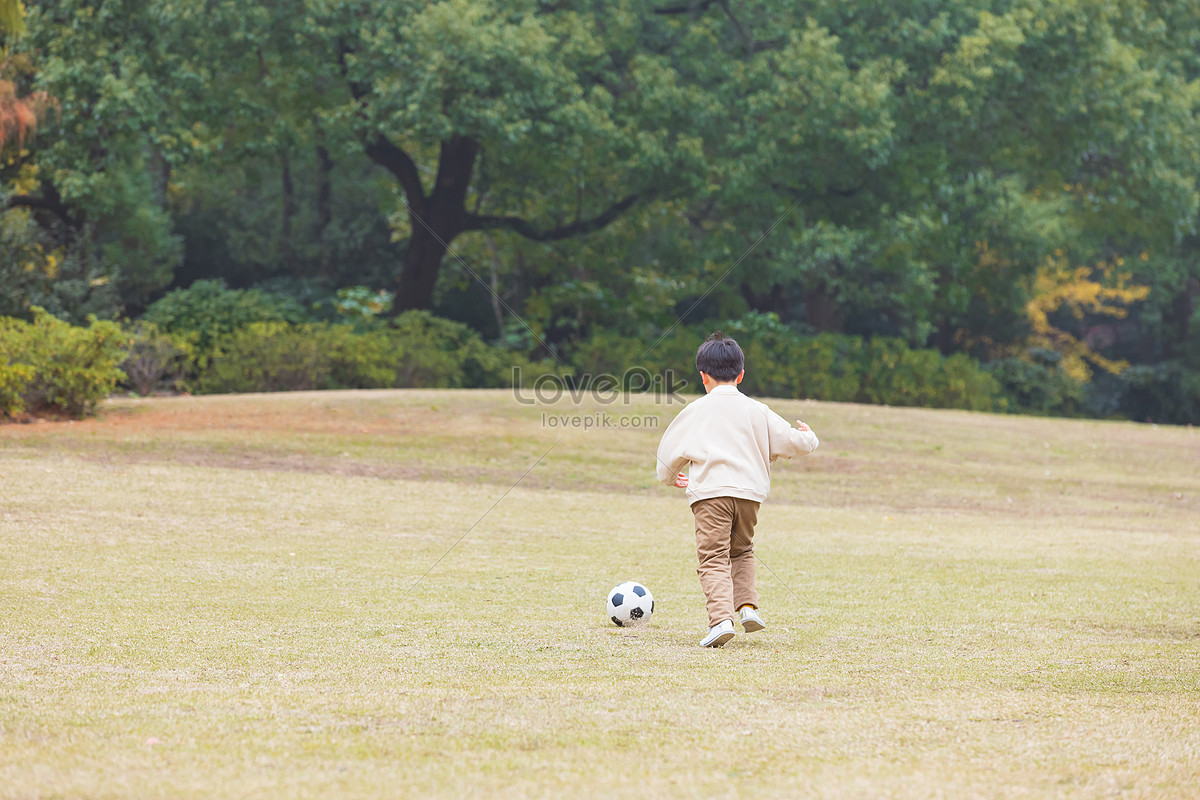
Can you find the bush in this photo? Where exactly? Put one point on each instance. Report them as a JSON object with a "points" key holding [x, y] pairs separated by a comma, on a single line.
{"points": [[208, 310], [1168, 393], [782, 363], [49, 366], [630, 359], [1038, 387], [280, 357], [435, 352], [417, 350], [155, 360], [14, 377], [894, 374]]}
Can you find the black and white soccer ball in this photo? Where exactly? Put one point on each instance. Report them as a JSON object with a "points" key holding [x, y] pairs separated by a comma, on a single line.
{"points": [[630, 604]]}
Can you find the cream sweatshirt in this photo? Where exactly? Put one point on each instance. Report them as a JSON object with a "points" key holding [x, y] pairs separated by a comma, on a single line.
{"points": [[730, 440]]}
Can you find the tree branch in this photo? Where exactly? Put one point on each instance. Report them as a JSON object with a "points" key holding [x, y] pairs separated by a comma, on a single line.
{"points": [[530, 231], [398, 162], [382, 150], [687, 8], [357, 90], [750, 43]]}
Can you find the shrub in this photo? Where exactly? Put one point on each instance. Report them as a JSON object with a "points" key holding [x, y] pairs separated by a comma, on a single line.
{"points": [[51, 366], [782, 363], [155, 360], [208, 310], [279, 356], [360, 360], [894, 374], [435, 352], [418, 350], [630, 359], [1038, 387], [14, 377], [1168, 393]]}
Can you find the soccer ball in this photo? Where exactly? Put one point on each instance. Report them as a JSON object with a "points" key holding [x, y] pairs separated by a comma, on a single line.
{"points": [[630, 603]]}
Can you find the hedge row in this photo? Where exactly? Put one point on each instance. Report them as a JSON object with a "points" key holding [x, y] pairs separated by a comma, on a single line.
{"points": [[781, 363], [416, 349], [50, 367]]}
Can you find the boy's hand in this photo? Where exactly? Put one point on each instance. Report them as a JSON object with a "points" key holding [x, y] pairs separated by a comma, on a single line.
{"points": [[681, 481], [802, 426]]}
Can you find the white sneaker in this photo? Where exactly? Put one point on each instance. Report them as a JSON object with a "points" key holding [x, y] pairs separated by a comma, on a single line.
{"points": [[751, 621], [718, 634]]}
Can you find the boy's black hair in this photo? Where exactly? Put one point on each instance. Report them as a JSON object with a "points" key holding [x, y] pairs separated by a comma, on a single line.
{"points": [[720, 357]]}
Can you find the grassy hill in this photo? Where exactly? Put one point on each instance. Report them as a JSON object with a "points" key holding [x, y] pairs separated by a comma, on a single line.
{"points": [[400, 593]]}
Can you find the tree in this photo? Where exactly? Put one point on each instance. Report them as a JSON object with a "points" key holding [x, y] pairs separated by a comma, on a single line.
{"points": [[919, 161], [280, 189], [548, 121], [103, 161]]}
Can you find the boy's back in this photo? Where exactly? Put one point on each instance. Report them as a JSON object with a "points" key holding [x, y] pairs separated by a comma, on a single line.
{"points": [[730, 441]]}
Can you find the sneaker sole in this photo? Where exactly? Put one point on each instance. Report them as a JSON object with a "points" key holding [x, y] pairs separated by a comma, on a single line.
{"points": [[720, 640], [751, 626]]}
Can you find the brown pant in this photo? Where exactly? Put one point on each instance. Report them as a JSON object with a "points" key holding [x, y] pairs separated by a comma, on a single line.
{"points": [[725, 550]]}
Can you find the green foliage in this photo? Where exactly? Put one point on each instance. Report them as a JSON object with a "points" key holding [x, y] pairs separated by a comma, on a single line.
{"points": [[838, 367], [155, 360], [103, 157], [208, 311], [435, 352], [629, 358], [894, 374], [23, 267], [14, 376], [418, 350], [1168, 392], [883, 171], [271, 357], [781, 363], [12, 18], [1038, 384], [363, 304], [50, 366]]}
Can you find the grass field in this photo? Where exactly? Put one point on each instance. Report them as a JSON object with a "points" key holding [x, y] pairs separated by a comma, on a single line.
{"points": [[358, 595]]}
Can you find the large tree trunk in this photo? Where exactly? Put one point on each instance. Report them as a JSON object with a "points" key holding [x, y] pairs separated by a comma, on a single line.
{"points": [[436, 219], [418, 277]]}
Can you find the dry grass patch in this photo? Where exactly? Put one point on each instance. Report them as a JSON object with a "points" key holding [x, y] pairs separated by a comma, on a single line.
{"points": [[259, 597]]}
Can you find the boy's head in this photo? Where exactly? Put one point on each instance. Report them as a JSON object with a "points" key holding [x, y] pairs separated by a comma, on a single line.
{"points": [[720, 358]]}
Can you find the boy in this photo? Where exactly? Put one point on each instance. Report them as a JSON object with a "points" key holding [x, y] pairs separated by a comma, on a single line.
{"points": [[730, 441]]}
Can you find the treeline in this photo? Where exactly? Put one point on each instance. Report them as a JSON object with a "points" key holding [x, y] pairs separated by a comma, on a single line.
{"points": [[975, 203]]}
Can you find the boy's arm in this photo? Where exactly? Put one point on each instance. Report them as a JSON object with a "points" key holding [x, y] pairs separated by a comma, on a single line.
{"points": [[671, 453], [787, 441]]}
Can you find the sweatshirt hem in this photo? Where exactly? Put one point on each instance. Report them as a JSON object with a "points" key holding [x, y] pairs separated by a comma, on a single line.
{"points": [[726, 491]]}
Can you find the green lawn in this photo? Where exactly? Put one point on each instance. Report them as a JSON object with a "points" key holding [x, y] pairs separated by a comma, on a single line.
{"points": [[262, 596]]}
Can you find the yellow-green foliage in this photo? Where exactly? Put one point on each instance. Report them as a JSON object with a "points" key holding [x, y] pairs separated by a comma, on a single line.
{"points": [[416, 350], [1079, 291], [280, 356], [13, 377], [155, 359], [50, 366]]}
